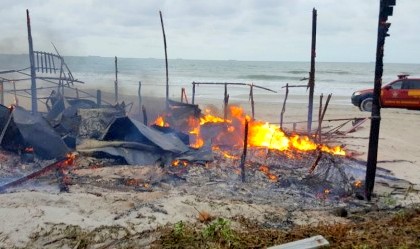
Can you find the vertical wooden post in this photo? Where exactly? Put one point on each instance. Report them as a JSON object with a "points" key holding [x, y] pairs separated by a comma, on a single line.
{"points": [[283, 109], [311, 83], [77, 93], [243, 157], [225, 102], [385, 10], [318, 135], [34, 97], [98, 97], [182, 95], [251, 98], [321, 118], [193, 93], [116, 80], [140, 99], [144, 115], [166, 61], [1, 93], [14, 92]]}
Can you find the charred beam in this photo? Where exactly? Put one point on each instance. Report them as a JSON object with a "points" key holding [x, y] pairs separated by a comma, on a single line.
{"points": [[166, 61], [35, 174], [32, 62], [243, 157], [311, 83]]}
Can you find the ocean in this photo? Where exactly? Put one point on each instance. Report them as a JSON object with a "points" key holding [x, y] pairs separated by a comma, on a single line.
{"points": [[338, 78]]}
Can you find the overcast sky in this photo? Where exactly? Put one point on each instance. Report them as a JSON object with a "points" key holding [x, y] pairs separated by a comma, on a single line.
{"points": [[273, 30]]}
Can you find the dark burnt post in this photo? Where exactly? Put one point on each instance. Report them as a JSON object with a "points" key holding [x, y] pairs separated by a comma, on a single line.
{"points": [[385, 10], [1, 93], [166, 61], [32, 61], [311, 83], [193, 94], [116, 80]]}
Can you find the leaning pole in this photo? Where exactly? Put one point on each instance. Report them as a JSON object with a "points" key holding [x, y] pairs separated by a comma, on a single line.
{"points": [[32, 61]]}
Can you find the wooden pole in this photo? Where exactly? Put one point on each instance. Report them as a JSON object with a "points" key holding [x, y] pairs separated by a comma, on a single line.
{"points": [[385, 10], [140, 98], [321, 118], [311, 83], [251, 98], [182, 95], [77, 93], [225, 103], [193, 94], [166, 61], [116, 80], [143, 108], [14, 92], [98, 98], [318, 136], [283, 109], [2, 92], [32, 61], [243, 157]]}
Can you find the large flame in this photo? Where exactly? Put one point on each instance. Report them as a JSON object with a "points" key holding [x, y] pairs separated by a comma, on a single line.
{"points": [[160, 121], [260, 134]]}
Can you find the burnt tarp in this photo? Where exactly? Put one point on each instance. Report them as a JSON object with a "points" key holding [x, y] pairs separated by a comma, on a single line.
{"points": [[28, 130], [130, 130], [63, 117], [179, 113], [133, 153]]}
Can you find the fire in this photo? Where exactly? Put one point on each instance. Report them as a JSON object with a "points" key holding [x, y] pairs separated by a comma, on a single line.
{"points": [[266, 172], [208, 118], [176, 163], [224, 153], [70, 157], [160, 121], [260, 134], [357, 184]]}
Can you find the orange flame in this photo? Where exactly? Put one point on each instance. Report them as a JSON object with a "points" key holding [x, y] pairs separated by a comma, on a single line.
{"points": [[160, 121], [176, 163], [224, 153], [266, 172], [70, 157], [357, 184]]}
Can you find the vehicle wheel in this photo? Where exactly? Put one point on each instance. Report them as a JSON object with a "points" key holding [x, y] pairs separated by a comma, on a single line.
{"points": [[366, 105]]}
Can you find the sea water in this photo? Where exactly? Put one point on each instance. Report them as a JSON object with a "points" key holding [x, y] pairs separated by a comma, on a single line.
{"points": [[338, 78]]}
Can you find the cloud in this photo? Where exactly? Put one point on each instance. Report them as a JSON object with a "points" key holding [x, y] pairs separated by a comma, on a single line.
{"points": [[217, 29]]}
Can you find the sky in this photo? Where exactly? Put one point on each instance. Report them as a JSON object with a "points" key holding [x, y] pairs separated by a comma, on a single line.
{"points": [[253, 30]]}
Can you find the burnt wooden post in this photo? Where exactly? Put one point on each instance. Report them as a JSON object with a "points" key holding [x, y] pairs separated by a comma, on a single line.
{"points": [[98, 97], [283, 109], [243, 157], [77, 93], [321, 116], [193, 94], [166, 61], [116, 80], [32, 61], [14, 92], [144, 115], [251, 98], [2, 92], [311, 83], [225, 102], [385, 10], [140, 99]]}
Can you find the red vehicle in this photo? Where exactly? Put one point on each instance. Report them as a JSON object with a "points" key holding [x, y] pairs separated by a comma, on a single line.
{"points": [[401, 93]]}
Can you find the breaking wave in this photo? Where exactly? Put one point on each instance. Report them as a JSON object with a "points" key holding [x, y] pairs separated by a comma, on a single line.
{"points": [[269, 77]]}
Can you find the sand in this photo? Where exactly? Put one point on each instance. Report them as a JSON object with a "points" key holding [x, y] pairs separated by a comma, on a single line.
{"points": [[26, 214]]}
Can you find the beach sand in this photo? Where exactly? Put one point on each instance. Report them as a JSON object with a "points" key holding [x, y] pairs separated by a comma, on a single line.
{"points": [[41, 216]]}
